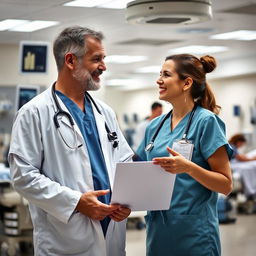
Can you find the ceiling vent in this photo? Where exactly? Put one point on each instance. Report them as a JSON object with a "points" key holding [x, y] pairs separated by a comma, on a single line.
{"points": [[168, 11], [149, 42]]}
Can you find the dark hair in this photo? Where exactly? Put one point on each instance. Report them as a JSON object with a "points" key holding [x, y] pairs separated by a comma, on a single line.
{"points": [[237, 138], [72, 39], [156, 105], [187, 65]]}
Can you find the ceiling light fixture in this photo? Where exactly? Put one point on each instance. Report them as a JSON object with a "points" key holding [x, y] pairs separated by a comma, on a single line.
{"points": [[245, 35], [149, 69], [34, 25], [198, 49], [124, 59], [10, 23], [120, 82], [25, 25], [113, 4]]}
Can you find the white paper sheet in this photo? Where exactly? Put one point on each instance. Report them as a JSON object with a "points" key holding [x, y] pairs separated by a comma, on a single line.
{"points": [[142, 186]]}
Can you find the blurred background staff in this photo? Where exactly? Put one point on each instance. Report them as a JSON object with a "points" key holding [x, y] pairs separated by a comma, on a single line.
{"points": [[156, 110], [237, 142], [244, 172]]}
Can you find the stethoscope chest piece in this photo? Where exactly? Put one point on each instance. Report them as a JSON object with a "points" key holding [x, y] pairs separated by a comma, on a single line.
{"points": [[112, 136], [149, 147]]}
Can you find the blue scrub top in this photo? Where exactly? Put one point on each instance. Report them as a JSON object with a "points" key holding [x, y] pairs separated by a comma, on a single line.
{"points": [[87, 125], [190, 226], [235, 153]]}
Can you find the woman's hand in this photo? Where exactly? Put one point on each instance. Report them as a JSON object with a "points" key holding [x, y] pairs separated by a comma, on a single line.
{"points": [[173, 164]]}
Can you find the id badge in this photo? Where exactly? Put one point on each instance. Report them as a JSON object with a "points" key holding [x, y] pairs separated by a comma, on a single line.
{"points": [[184, 147]]}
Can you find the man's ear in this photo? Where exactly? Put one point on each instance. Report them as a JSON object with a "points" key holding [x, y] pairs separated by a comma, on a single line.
{"points": [[70, 60], [187, 83]]}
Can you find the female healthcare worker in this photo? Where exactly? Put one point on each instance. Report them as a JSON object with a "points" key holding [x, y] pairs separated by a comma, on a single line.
{"points": [[195, 137]]}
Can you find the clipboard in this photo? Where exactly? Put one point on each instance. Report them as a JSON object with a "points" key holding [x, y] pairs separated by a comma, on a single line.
{"points": [[142, 186]]}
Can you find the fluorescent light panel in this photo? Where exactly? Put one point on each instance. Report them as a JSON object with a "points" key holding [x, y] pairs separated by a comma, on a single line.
{"points": [[149, 69], [124, 59], [117, 4], [198, 49], [120, 82], [25, 25], [34, 25], [245, 35], [113, 4], [10, 23], [86, 3]]}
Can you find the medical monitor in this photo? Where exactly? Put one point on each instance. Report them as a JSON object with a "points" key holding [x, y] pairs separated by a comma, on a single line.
{"points": [[24, 94], [253, 115]]}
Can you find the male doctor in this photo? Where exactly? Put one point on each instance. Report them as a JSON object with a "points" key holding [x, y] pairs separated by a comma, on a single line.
{"points": [[64, 169]]}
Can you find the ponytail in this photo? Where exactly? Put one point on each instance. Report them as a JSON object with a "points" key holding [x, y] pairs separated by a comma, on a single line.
{"points": [[207, 100]]}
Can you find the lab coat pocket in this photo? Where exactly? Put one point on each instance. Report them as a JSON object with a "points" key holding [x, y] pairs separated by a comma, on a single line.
{"points": [[72, 238]]}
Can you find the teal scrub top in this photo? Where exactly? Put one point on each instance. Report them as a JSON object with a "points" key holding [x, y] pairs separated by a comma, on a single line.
{"points": [[190, 226], [87, 125]]}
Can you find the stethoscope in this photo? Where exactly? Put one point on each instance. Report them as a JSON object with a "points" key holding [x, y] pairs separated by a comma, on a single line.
{"points": [[112, 136], [150, 145]]}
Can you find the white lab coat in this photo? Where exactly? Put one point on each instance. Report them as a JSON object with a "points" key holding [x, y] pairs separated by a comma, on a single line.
{"points": [[52, 177]]}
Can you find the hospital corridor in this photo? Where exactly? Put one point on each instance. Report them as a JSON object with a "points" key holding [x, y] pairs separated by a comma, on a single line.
{"points": [[127, 128]]}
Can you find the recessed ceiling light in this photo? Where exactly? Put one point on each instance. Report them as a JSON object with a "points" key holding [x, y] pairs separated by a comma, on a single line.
{"points": [[198, 49], [149, 69], [86, 3], [10, 23], [114, 4], [34, 25], [117, 4], [236, 35], [123, 59], [120, 82]]}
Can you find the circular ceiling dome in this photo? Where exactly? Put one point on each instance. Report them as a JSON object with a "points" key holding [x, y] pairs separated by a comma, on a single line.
{"points": [[168, 11]]}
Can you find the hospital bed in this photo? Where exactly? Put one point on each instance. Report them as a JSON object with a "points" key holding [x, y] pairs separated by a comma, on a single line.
{"points": [[247, 172], [244, 183], [15, 222]]}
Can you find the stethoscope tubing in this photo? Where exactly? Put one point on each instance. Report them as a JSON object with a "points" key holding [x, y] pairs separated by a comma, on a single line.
{"points": [[150, 145], [112, 136]]}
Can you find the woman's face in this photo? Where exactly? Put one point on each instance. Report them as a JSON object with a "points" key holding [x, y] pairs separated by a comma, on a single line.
{"points": [[170, 86]]}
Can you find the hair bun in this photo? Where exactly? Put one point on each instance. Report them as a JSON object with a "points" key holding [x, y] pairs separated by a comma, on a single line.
{"points": [[209, 63]]}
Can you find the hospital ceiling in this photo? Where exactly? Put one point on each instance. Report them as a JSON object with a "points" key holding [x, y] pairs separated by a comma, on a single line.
{"points": [[153, 41]]}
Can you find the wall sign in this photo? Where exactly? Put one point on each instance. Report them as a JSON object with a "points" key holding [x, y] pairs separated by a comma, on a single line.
{"points": [[33, 57]]}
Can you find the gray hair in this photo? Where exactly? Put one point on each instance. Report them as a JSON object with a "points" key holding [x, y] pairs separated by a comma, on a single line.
{"points": [[73, 40]]}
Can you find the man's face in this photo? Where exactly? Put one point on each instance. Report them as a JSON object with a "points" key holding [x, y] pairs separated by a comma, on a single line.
{"points": [[158, 111], [91, 65]]}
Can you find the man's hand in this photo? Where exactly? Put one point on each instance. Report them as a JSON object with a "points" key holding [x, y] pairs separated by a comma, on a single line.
{"points": [[90, 206], [120, 214]]}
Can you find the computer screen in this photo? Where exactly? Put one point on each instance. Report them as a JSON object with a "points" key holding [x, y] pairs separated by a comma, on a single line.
{"points": [[253, 115], [25, 94]]}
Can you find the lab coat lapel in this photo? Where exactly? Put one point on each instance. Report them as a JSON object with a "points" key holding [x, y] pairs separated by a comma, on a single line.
{"points": [[66, 121], [105, 144]]}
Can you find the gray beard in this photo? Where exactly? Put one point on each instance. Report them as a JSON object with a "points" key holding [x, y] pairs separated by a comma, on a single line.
{"points": [[86, 80]]}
